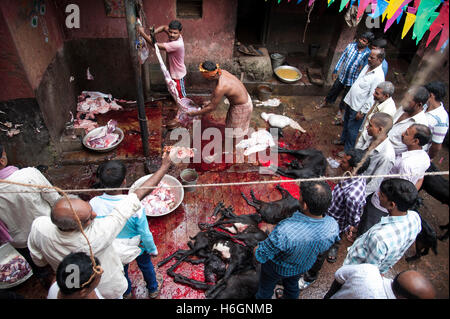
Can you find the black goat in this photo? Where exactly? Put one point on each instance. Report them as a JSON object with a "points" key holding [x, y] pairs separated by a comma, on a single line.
{"points": [[426, 239], [313, 164], [243, 285], [437, 187], [274, 212]]}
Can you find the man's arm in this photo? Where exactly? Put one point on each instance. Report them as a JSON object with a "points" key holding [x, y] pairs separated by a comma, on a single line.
{"points": [[341, 59], [434, 149], [148, 39], [155, 179], [212, 105]]}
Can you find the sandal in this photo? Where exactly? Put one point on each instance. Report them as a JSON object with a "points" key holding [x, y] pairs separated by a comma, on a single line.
{"points": [[279, 293], [332, 254], [337, 142]]}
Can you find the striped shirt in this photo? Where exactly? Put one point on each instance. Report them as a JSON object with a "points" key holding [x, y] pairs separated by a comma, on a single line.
{"points": [[349, 198], [438, 124], [352, 60], [295, 243], [386, 242]]}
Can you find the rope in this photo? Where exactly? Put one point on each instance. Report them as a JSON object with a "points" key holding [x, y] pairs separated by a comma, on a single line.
{"points": [[347, 175]]}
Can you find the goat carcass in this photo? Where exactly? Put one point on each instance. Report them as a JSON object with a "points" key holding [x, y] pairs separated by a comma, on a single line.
{"points": [[313, 164], [281, 121], [274, 212]]}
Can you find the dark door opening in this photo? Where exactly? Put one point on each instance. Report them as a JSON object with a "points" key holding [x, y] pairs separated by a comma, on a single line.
{"points": [[252, 18]]}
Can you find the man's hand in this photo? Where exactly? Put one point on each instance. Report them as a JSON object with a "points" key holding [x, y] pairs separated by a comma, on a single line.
{"points": [[166, 161], [334, 76], [359, 116]]}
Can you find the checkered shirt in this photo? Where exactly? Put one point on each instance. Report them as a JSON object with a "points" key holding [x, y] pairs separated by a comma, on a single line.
{"points": [[386, 242], [349, 198], [352, 60]]}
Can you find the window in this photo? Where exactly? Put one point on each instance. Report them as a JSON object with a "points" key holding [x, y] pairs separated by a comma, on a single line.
{"points": [[189, 9]]}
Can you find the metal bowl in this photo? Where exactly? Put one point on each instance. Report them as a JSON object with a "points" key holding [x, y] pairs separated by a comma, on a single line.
{"points": [[8, 252], [105, 149], [171, 181], [287, 67]]}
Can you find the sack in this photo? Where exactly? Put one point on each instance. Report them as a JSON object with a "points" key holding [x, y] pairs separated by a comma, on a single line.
{"points": [[143, 51]]}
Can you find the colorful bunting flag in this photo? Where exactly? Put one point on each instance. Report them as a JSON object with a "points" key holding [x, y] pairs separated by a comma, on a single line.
{"points": [[343, 4], [330, 2], [440, 24], [394, 10], [362, 7], [409, 21], [424, 18], [380, 8]]}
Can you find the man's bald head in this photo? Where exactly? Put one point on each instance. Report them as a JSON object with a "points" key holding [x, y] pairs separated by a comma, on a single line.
{"points": [[411, 284], [62, 215]]}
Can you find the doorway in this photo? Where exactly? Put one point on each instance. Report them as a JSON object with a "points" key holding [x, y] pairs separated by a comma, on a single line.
{"points": [[252, 20]]}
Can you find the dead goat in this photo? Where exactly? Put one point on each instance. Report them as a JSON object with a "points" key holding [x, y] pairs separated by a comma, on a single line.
{"points": [[437, 187], [242, 285], [313, 164], [426, 239], [274, 212]]}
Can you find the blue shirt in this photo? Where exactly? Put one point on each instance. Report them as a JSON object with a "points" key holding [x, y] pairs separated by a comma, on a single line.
{"points": [[136, 225], [295, 243], [352, 61]]}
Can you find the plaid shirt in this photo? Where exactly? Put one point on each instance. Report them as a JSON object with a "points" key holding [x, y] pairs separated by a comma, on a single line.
{"points": [[295, 243], [352, 60], [349, 198], [386, 242]]}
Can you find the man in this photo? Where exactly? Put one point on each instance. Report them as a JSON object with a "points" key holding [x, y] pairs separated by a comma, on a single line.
{"points": [[364, 281], [407, 115], [51, 239], [348, 197], [386, 242], [437, 117], [112, 175], [359, 99], [380, 44], [175, 52], [227, 85], [381, 151], [383, 103], [293, 246], [413, 164], [352, 60], [63, 287], [18, 208]]}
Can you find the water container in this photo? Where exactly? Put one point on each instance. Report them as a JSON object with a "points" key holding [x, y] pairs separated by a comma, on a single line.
{"points": [[277, 60]]}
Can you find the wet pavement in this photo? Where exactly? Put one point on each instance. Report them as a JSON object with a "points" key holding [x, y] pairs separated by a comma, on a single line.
{"points": [[172, 231]]}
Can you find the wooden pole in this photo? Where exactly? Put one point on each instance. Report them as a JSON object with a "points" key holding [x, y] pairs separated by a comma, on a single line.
{"points": [[130, 9]]}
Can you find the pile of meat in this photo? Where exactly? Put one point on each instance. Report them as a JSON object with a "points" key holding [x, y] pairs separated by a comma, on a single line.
{"points": [[105, 137], [160, 201], [91, 103], [14, 270]]}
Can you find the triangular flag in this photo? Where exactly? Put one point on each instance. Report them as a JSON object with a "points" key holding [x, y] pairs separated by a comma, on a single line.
{"points": [[399, 10], [310, 2], [362, 7], [400, 17], [385, 12], [343, 4], [329, 2], [380, 8], [440, 24], [409, 21], [373, 6], [298, 1], [424, 18]]}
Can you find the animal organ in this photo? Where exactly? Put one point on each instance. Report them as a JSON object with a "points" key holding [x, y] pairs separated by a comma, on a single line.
{"points": [[105, 137]]}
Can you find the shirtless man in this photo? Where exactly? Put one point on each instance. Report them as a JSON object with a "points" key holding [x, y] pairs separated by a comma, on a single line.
{"points": [[241, 106]]}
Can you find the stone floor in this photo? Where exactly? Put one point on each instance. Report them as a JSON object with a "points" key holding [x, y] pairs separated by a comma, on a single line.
{"points": [[172, 231]]}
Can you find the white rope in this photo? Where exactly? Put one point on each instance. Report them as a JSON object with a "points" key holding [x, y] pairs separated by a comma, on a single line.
{"points": [[322, 178]]}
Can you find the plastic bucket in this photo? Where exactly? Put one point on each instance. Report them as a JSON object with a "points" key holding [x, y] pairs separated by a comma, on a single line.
{"points": [[264, 92], [277, 59], [189, 176]]}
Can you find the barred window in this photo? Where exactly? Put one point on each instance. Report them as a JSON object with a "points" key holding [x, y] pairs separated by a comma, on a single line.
{"points": [[189, 9]]}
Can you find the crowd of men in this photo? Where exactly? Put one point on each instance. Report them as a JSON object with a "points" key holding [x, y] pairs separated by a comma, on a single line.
{"points": [[379, 138]]}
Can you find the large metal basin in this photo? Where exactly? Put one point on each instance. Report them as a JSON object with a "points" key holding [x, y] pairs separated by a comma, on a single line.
{"points": [[287, 67]]}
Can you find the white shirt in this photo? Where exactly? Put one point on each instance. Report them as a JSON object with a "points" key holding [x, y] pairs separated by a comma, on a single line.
{"points": [[388, 107], [49, 245], [360, 96], [395, 134], [438, 124], [362, 281], [54, 290], [18, 210], [382, 159], [411, 163]]}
